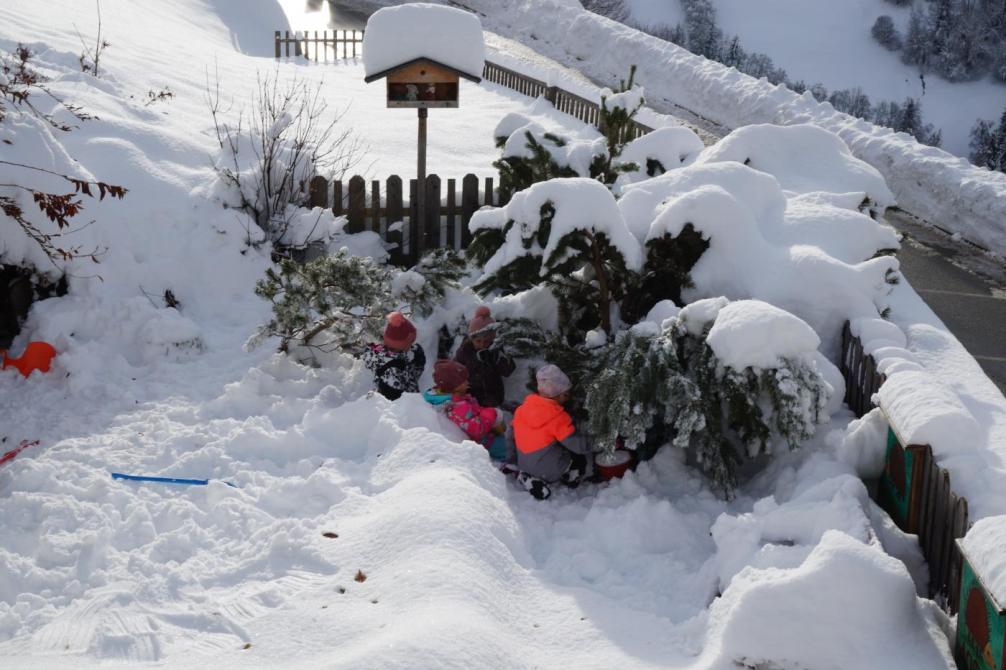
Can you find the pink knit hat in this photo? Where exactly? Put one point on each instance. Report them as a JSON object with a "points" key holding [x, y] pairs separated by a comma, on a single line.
{"points": [[399, 333], [448, 374], [482, 319]]}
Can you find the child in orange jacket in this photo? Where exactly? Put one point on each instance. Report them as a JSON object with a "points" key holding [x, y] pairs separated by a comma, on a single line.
{"points": [[548, 448]]}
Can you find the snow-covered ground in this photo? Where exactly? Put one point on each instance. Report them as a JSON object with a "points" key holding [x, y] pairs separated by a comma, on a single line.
{"points": [[439, 561]]}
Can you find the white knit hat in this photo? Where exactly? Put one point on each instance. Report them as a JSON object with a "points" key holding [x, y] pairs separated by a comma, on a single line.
{"points": [[552, 381]]}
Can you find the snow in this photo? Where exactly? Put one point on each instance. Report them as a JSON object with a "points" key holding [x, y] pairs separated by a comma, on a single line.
{"points": [[628, 101], [580, 204], [695, 316], [844, 575], [985, 547], [804, 158], [576, 153], [398, 35], [752, 333], [672, 147], [923, 411], [864, 445], [463, 569], [930, 183], [741, 263]]}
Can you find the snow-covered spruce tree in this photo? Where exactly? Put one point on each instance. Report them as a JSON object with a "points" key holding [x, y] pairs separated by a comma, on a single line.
{"points": [[566, 234], [339, 302], [532, 155], [988, 144], [671, 382]]}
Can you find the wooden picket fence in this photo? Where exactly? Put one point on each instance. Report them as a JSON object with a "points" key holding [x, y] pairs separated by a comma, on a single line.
{"points": [[934, 512], [390, 214], [326, 47]]}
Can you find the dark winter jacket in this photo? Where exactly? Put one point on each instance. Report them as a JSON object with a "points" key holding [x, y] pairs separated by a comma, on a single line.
{"points": [[395, 372], [545, 438], [486, 370]]}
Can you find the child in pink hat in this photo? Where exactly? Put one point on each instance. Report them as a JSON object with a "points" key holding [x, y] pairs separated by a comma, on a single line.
{"points": [[486, 366], [398, 361]]}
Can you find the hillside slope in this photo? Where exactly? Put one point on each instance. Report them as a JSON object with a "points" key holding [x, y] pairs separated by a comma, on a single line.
{"points": [[830, 42]]}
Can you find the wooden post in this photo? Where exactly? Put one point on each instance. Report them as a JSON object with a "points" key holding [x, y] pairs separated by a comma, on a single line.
{"points": [[469, 204], [421, 179], [357, 204], [318, 190], [277, 44], [396, 214]]}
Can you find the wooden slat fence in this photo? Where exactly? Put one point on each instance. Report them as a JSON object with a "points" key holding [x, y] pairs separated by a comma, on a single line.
{"points": [[936, 514], [390, 212], [327, 47]]}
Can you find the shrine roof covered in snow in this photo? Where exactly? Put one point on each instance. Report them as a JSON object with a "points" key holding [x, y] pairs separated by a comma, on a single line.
{"points": [[402, 35]]}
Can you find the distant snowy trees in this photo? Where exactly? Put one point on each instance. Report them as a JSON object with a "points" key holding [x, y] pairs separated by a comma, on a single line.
{"points": [[699, 34], [988, 144], [960, 40], [884, 32]]}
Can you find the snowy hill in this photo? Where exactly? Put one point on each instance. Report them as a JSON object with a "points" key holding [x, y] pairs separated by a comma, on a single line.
{"points": [[830, 42]]}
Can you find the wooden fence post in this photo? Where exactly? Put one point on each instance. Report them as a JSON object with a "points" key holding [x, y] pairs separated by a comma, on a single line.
{"points": [[415, 230], [452, 235], [432, 214], [337, 198], [396, 215], [357, 204], [375, 207], [469, 204], [318, 192]]}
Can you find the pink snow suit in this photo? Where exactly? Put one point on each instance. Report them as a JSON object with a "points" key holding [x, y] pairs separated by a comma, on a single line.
{"points": [[475, 420]]}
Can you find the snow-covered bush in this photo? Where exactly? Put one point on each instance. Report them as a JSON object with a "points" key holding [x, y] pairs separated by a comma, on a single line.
{"points": [[726, 381], [339, 302], [272, 149]]}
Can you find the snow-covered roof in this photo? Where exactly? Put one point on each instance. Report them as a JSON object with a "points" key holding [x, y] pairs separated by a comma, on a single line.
{"points": [[398, 35]]}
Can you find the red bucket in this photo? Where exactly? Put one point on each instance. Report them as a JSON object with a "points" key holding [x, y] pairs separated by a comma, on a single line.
{"points": [[615, 465]]}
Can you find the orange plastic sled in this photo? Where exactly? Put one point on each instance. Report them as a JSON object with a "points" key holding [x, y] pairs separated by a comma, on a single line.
{"points": [[36, 356]]}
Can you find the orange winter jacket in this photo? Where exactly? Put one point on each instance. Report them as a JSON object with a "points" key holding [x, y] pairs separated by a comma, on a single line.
{"points": [[539, 422]]}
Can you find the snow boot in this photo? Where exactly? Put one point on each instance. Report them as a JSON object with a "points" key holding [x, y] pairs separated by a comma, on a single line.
{"points": [[577, 471], [536, 487]]}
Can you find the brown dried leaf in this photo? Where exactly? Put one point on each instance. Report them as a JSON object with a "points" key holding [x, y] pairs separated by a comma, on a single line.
{"points": [[360, 577]]}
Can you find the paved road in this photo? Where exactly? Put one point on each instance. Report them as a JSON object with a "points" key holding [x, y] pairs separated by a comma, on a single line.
{"points": [[965, 287]]}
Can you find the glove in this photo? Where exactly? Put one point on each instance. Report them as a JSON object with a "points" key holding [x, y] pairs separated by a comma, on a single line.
{"points": [[484, 356]]}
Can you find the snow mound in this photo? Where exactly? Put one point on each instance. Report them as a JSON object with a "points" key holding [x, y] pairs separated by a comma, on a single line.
{"points": [[741, 263], [864, 445], [849, 236], [759, 193], [449, 36], [695, 316], [804, 158], [844, 575], [658, 151], [985, 545], [923, 411], [752, 333]]}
